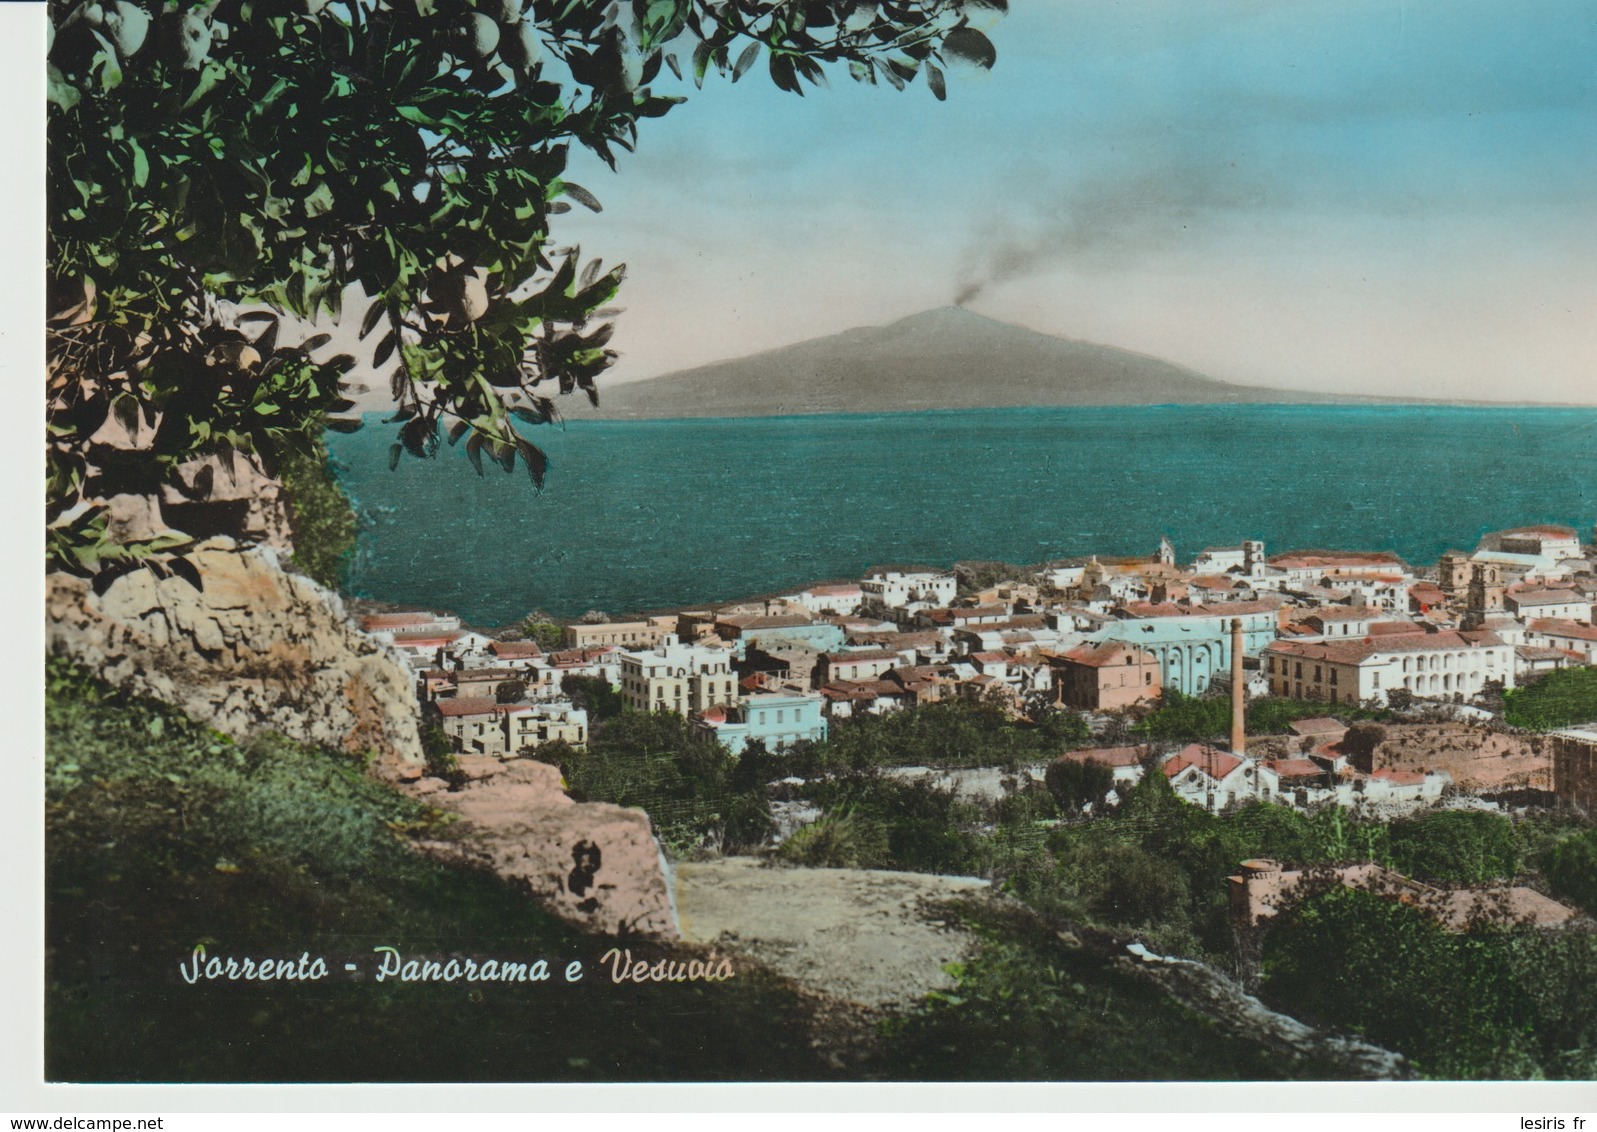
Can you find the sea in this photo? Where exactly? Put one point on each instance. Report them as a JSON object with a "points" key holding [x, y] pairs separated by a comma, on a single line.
{"points": [[637, 516]]}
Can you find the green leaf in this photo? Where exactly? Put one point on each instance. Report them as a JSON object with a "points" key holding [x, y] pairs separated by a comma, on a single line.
{"points": [[582, 196], [970, 46], [745, 60]]}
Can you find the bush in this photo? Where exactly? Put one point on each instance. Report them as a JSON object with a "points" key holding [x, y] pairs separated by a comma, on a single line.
{"points": [[928, 828], [1480, 1005], [1180, 718], [681, 776], [1360, 743], [1274, 715], [320, 514], [1570, 867], [955, 733], [1032, 1004], [843, 840], [1026, 806], [1454, 847], [1075, 785], [595, 695]]}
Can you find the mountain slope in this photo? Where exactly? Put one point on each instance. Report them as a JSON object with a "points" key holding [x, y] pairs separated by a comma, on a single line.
{"points": [[947, 358]]}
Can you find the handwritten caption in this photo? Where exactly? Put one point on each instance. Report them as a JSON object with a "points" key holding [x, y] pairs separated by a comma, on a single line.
{"points": [[387, 963]]}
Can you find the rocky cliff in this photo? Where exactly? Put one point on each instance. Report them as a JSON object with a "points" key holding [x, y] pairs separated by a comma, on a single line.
{"points": [[257, 649], [260, 649]]}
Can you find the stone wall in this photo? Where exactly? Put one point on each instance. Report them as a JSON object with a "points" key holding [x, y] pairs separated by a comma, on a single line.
{"points": [[1575, 771]]}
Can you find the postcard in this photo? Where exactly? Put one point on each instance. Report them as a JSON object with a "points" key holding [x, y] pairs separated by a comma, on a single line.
{"points": [[714, 541]]}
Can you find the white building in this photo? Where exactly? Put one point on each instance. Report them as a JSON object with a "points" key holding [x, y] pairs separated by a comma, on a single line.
{"points": [[1387, 592], [1337, 568], [679, 678], [1247, 558], [480, 726], [1578, 637], [1214, 779], [1550, 541], [892, 590], [1438, 665], [842, 599], [1565, 605]]}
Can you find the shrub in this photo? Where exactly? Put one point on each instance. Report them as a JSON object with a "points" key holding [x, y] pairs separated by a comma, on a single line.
{"points": [[320, 514], [1478, 1005], [843, 840], [1570, 867], [682, 777], [1075, 785], [1454, 846]]}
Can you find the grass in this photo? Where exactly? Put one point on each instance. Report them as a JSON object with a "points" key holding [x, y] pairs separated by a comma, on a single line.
{"points": [[162, 835], [1034, 1004]]}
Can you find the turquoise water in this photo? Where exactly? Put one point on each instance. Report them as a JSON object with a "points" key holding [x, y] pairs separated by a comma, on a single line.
{"points": [[644, 515]]}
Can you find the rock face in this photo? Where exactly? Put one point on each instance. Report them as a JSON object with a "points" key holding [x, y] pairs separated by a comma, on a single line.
{"points": [[592, 864], [258, 649]]}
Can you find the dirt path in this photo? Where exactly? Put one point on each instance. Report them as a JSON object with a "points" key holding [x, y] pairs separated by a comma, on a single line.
{"points": [[863, 936]]}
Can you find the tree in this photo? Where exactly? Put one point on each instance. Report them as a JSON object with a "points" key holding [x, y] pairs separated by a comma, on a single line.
{"points": [[1455, 846], [595, 695], [1570, 866], [1360, 742], [1077, 784], [1357, 961], [222, 172], [510, 691], [541, 629]]}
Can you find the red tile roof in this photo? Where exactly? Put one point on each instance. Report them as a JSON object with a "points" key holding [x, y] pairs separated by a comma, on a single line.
{"points": [[1342, 613], [1394, 628], [396, 620], [1310, 559], [1100, 656], [468, 705], [860, 655], [1108, 756], [515, 648], [1295, 768], [1356, 652], [1558, 627], [1210, 760], [1171, 609], [1547, 597], [418, 638]]}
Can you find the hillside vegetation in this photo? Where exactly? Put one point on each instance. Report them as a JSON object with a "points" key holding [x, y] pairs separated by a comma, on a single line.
{"points": [[162, 835]]}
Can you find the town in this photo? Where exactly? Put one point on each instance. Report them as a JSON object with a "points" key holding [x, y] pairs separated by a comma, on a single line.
{"points": [[1105, 637]]}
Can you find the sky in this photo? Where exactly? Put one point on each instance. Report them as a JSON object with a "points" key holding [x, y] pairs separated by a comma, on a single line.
{"points": [[1395, 197]]}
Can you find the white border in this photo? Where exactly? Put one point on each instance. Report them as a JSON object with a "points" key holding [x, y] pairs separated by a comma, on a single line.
{"points": [[22, 1091]]}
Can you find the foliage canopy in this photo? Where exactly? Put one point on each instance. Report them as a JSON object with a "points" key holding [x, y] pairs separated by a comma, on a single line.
{"points": [[224, 172]]}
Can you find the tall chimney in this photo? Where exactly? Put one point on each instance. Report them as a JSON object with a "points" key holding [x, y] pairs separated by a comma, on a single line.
{"points": [[1239, 736]]}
